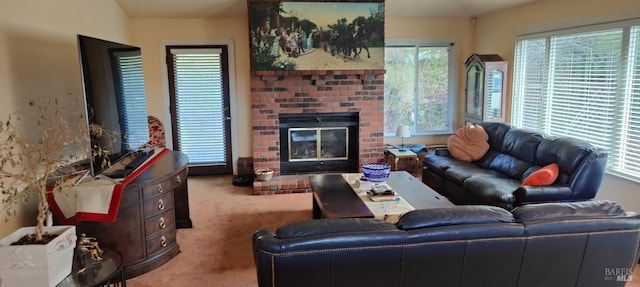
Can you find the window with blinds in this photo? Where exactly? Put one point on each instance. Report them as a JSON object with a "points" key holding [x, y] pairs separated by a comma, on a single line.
{"points": [[583, 84], [134, 104], [200, 108]]}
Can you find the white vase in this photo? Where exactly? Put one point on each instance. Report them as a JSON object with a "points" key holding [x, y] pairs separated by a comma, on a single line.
{"points": [[37, 265]]}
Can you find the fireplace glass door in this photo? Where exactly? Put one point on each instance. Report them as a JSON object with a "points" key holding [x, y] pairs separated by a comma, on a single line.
{"points": [[311, 144], [318, 143]]}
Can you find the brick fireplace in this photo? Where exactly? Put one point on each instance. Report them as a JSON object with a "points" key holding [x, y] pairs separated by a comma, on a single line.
{"points": [[309, 92]]}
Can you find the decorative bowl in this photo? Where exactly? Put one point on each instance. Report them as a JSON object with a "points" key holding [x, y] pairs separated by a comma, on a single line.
{"points": [[264, 174], [376, 172]]}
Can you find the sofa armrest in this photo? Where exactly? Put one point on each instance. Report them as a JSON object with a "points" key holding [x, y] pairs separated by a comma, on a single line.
{"points": [[259, 235], [527, 194], [442, 151]]}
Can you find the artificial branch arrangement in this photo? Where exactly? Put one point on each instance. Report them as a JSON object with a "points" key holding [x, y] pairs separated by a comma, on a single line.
{"points": [[39, 149]]}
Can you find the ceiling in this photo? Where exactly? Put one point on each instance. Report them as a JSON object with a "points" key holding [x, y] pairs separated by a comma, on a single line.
{"points": [[238, 8]]}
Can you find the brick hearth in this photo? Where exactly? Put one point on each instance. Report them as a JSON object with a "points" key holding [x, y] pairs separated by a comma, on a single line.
{"points": [[325, 91], [300, 183], [283, 184]]}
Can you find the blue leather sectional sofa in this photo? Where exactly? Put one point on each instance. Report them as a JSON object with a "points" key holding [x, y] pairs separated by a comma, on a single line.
{"points": [[514, 154], [583, 244]]}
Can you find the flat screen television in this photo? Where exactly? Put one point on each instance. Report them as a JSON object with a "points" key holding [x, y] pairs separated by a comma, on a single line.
{"points": [[115, 100]]}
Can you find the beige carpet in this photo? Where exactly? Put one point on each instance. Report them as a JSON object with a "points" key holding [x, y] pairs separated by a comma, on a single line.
{"points": [[217, 250]]}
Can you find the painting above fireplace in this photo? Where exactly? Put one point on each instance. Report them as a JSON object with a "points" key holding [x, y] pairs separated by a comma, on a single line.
{"points": [[288, 35]]}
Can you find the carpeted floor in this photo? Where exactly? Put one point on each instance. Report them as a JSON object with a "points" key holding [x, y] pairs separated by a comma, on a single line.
{"points": [[217, 250]]}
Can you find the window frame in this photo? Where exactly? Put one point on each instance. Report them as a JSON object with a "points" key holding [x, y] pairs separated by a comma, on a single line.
{"points": [[615, 147], [452, 76], [201, 96], [233, 94]]}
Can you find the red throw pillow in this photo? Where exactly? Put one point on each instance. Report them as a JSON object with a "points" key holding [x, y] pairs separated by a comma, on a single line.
{"points": [[544, 176]]}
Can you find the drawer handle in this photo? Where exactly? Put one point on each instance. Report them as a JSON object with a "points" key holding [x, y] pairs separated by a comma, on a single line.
{"points": [[178, 179], [163, 241], [163, 225], [160, 188], [160, 204]]}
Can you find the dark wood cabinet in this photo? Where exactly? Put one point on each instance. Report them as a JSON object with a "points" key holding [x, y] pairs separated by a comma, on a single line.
{"points": [[152, 207], [486, 88]]}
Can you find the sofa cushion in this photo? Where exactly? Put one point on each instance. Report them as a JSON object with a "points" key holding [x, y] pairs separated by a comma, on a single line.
{"points": [[496, 132], [486, 160], [509, 165], [332, 225], [438, 164], [567, 152], [491, 190], [454, 215], [575, 210], [469, 143], [522, 143], [546, 175], [460, 173]]}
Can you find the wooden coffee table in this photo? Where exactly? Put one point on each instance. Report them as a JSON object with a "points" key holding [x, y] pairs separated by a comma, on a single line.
{"points": [[333, 197]]}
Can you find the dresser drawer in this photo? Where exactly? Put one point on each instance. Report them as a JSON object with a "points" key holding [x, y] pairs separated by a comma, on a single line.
{"points": [[157, 205], [164, 240], [156, 189], [164, 186], [179, 179], [162, 222]]}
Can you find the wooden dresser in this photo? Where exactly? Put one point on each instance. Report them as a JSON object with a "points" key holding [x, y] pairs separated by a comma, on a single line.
{"points": [[152, 207]]}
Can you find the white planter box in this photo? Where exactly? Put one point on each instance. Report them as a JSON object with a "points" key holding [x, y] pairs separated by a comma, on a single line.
{"points": [[37, 265]]}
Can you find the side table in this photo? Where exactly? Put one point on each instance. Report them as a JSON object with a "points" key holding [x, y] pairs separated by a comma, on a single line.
{"points": [[398, 154], [109, 272]]}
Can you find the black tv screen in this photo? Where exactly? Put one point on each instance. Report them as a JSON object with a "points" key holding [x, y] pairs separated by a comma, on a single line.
{"points": [[115, 99]]}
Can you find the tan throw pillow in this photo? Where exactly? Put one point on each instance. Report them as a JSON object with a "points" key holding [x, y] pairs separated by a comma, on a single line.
{"points": [[469, 143]]}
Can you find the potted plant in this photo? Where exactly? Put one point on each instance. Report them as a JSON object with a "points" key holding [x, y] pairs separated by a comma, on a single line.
{"points": [[38, 150]]}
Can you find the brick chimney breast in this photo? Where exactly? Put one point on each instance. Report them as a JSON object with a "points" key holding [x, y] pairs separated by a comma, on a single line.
{"points": [[326, 91]]}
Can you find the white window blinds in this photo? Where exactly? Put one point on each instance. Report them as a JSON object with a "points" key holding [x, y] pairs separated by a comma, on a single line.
{"points": [[628, 132], [134, 103], [583, 85], [200, 110]]}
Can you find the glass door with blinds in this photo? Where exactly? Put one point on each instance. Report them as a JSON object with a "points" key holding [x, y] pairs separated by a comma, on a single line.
{"points": [[199, 94]]}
